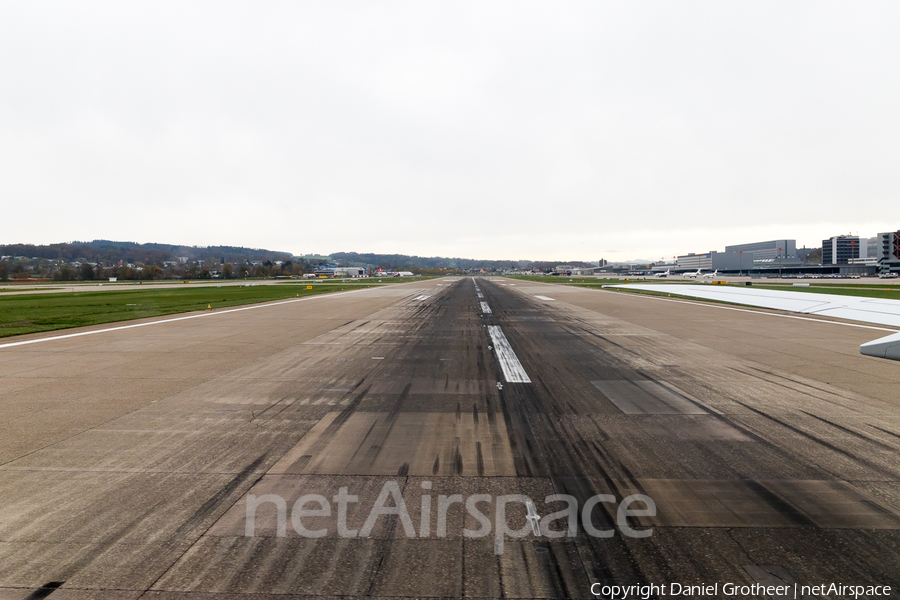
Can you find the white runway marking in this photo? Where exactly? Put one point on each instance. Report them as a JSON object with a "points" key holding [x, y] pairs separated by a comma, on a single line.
{"points": [[509, 363], [480, 295], [545, 298], [422, 297], [377, 358], [200, 316], [485, 308]]}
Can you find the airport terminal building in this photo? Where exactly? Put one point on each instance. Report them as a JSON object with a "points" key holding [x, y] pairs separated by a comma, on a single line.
{"points": [[772, 249], [888, 251], [841, 249], [711, 261], [335, 271]]}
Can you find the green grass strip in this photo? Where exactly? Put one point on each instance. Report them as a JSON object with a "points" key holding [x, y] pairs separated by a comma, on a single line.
{"points": [[33, 313]]}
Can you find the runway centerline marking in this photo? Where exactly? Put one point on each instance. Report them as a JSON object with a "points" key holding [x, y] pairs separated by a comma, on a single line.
{"points": [[485, 308], [545, 298], [509, 362]]}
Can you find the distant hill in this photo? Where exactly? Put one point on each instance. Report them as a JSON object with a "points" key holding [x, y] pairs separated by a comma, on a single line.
{"points": [[404, 261], [108, 252]]}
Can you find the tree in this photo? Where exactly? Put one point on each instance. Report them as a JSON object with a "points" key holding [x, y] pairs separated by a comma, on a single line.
{"points": [[227, 271], [4, 271], [87, 271], [66, 273], [151, 272]]}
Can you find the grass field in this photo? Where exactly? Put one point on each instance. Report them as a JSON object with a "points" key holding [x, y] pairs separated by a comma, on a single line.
{"points": [[32, 313]]}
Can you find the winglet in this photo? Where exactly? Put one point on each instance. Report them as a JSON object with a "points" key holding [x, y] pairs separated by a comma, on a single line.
{"points": [[886, 347]]}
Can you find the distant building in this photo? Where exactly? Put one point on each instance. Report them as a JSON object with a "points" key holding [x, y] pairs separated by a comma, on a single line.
{"points": [[772, 249], [840, 249], [872, 246], [711, 261], [888, 248], [335, 271]]}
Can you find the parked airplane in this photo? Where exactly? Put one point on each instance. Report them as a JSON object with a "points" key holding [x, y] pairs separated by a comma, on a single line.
{"points": [[666, 274], [697, 274], [380, 273], [711, 275]]}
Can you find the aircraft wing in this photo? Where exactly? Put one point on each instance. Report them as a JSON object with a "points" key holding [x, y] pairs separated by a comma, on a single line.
{"points": [[878, 311]]}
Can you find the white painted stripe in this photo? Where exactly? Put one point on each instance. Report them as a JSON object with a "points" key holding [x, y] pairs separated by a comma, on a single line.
{"points": [[485, 308], [545, 298], [209, 314], [422, 297], [200, 316], [480, 295], [509, 363]]}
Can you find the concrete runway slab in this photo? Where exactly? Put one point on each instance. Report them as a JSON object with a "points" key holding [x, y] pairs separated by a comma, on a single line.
{"points": [[128, 458]]}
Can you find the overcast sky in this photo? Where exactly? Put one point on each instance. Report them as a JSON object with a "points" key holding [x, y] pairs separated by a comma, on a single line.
{"points": [[506, 130]]}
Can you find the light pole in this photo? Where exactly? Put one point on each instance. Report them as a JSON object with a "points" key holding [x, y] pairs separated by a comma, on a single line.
{"points": [[779, 262], [741, 259]]}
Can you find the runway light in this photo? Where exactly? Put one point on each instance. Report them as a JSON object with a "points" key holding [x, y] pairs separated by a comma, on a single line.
{"points": [[209, 307]]}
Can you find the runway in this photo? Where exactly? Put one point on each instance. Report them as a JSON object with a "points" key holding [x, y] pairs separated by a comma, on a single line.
{"points": [[130, 461]]}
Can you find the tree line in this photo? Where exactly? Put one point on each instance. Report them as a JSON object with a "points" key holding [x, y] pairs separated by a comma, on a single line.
{"points": [[11, 269], [109, 252]]}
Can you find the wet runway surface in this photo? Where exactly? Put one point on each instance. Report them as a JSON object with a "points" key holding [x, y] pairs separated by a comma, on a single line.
{"points": [[379, 440]]}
